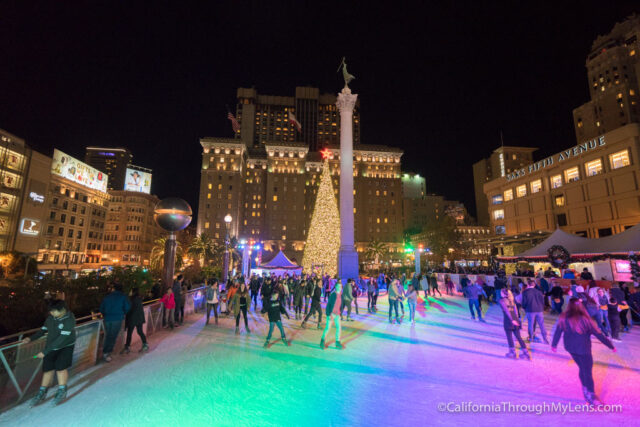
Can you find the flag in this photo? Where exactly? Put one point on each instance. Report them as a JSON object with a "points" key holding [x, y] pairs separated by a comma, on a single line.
{"points": [[294, 121], [234, 122]]}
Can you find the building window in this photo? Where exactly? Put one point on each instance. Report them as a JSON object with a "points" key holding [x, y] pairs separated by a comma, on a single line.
{"points": [[536, 186], [559, 200], [561, 219], [497, 199], [500, 229], [498, 214], [275, 198], [206, 225], [556, 181], [604, 232], [593, 167], [572, 174], [620, 159], [521, 190], [508, 195]]}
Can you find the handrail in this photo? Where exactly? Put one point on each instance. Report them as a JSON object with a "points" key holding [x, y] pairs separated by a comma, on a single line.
{"points": [[79, 321]]}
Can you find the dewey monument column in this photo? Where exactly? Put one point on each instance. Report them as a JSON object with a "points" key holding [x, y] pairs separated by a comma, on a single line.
{"points": [[347, 256]]}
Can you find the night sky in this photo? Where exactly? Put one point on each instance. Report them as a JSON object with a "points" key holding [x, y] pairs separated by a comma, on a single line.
{"points": [[439, 80]]}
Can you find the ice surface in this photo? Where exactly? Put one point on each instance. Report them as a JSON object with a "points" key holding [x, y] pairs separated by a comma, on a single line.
{"points": [[388, 375]]}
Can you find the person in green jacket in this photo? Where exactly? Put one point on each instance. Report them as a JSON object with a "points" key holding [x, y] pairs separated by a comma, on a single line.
{"points": [[333, 315], [347, 297], [57, 355]]}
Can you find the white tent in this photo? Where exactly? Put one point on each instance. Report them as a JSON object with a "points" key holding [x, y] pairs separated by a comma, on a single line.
{"points": [[279, 265]]}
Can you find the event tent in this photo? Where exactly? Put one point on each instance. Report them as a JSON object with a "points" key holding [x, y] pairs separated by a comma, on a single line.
{"points": [[280, 265], [621, 244]]}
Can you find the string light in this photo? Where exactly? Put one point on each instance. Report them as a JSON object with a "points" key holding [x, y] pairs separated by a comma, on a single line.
{"points": [[323, 241]]}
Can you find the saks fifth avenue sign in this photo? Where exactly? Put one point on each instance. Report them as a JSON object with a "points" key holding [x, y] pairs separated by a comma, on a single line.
{"points": [[576, 151]]}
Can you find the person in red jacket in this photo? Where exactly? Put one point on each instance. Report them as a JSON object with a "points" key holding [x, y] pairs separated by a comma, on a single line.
{"points": [[169, 307]]}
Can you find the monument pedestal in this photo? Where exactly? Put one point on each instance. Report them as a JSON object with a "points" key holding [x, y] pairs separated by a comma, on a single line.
{"points": [[348, 264]]}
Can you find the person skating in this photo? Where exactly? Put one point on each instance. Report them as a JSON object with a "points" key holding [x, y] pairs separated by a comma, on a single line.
{"points": [[114, 307], [298, 297], [169, 302], [347, 298], [557, 298], [412, 299], [354, 291], [274, 308], [371, 289], [424, 284], [613, 311], [241, 304], [603, 300], [392, 293], [134, 320], [433, 284], [58, 350], [332, 311], [533, 304], [315, 304], [254, 287], [473, 292], [577, 328], [212, 295], [177, 293], [512, 324]]}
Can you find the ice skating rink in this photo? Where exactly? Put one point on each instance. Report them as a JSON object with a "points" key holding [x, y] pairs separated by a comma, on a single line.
{"points": [[427, 374]]}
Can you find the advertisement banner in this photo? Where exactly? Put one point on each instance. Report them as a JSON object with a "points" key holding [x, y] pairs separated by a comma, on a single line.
{"points": [[74, 170], [138, 181]]}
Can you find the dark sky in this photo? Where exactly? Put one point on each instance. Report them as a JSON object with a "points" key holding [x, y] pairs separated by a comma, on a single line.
{"points": [[437, 79]]}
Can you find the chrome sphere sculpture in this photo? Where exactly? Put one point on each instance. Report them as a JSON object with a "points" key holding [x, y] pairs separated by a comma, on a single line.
{"points": [[171, 214]]}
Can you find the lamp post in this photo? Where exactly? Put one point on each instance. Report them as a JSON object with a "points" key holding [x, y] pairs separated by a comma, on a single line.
{"points": [[225, 267], [172, 215]]}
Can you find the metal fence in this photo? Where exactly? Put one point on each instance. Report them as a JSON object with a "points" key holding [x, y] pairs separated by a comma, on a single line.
{"points": [[20, 372]]}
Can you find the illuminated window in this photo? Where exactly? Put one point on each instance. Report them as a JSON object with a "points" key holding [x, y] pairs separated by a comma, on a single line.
{"points": [[619, 159], [378, 220], [508, 195], [521, 190], [210, 186], [497, 199], [556, 181], [275, 198], [206, 225], [536, 186], [572, 174], [498, 214], [593, 167], [559, 200], [500, 229]]}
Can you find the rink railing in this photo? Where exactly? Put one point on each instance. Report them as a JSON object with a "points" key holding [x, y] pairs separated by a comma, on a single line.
{"points": [[20, 372]]}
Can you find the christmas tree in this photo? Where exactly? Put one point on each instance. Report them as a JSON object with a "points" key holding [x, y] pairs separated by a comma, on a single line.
{"points": [[323, 240]]}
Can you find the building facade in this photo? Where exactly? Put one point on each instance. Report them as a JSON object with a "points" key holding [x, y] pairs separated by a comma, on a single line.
{"points": [[503, 160], [266, 118], [270, 192], [591, 189], [130, 230], [112, 161], [614, 82]]}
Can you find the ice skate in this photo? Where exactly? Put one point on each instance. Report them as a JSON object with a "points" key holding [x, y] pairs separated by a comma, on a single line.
{"points": [[339, 345], [40, 397], [511, 354], [525, 354], [322, 346], [144, 348], [61, 396], [125, 350]]}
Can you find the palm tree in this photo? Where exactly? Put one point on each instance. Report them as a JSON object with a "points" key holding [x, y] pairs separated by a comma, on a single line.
{"points": [[375, 250], [204, 248], [157, 254]]}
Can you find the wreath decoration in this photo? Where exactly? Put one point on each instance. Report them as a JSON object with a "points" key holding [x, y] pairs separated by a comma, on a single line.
{"points": [[558, 256]]}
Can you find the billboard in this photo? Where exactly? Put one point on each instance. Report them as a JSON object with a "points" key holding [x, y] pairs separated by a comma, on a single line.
{"points": [[30, 227], [137, 181], [74, 170]]}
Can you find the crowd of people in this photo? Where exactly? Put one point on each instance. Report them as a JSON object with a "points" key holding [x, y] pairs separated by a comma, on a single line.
{"points": [[596, 311]]}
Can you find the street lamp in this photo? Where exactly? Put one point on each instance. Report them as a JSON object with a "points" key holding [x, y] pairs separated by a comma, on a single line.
{"points": [[171, 214], [225, 267]]}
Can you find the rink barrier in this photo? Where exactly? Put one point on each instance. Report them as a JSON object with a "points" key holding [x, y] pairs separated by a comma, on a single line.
{"points": [[20, 372]]}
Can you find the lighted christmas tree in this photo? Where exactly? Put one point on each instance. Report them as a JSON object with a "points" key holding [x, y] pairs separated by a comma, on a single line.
{"points": [[323, 240]]}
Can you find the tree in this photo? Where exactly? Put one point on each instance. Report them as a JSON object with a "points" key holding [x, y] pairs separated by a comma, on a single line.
{"points": [[157, 254], [442, 237], [375, 250], [204, 248], [323, 240]]}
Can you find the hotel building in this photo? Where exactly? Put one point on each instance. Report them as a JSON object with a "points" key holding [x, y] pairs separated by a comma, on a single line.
{"points": [[112, 161], [591, 189]]}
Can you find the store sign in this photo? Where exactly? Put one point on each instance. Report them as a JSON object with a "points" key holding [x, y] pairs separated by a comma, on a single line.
{"points": [[576, 151], [39, 198], [30, 227]]}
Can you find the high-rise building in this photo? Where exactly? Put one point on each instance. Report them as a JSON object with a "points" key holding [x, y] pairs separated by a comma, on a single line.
{"points": [[614, 82], [270, 192], [503, 160], [130, 230], [265, 118], [112, 161]]}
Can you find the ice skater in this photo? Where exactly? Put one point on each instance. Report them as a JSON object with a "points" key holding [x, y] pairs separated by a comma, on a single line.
{"points": [[333, 315], [512, 324], [412, 299], [433, 284], [347, 298], [169, 302], [212, 293], [392, 293], [577, 327], [298, 297], [241, 304], [473, 293], [315, 304], [134, 320], [274, 308], [60, 327]]}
